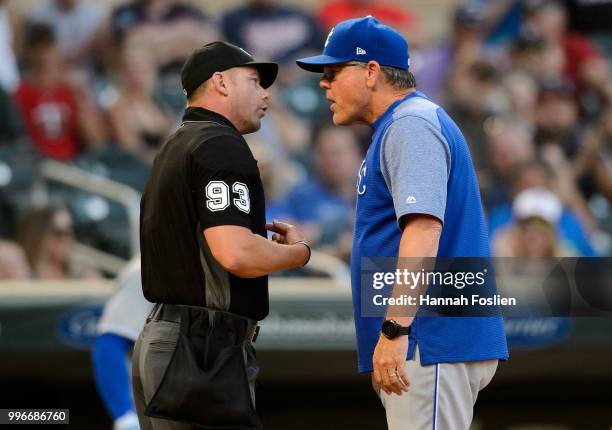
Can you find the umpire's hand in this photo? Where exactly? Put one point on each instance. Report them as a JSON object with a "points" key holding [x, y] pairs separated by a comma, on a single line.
{"points": [[284, 233]]}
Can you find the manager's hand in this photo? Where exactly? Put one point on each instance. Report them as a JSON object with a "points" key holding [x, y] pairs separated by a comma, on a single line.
{"points": [[389, 360]]}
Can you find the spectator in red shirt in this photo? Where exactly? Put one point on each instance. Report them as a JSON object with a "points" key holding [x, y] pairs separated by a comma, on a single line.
{"points": [[336, 11], [398, 17], [549, 18], [54, 118]]}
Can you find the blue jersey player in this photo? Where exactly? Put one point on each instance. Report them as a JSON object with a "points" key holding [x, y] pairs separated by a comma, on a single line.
{"points": [[122, 320], [417, 196]]}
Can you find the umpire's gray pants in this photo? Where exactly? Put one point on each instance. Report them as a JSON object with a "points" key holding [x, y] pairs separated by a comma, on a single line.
{"points": [[152, 353], [440, 397]]}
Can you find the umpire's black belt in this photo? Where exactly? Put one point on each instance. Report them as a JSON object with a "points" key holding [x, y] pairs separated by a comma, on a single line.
{"points": [[172, 313]]}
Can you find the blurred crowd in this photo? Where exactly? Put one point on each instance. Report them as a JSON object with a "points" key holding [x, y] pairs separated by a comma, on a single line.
{"points": [[98, 88]]}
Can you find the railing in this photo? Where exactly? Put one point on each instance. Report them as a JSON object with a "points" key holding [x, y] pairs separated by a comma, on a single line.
{"points": [[78, 178], [333, 267]]}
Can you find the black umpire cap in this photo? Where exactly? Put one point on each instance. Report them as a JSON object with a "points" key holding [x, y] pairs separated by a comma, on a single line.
{"points": [[217, 57]]}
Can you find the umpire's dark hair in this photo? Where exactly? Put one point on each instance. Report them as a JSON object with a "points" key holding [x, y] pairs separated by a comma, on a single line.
{"points": [[399, 78]]}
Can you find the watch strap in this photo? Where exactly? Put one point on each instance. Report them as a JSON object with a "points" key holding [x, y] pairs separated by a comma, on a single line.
{"points": [[404, 331]]}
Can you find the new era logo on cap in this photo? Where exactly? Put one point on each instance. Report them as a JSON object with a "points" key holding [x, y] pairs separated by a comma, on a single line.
{"points": [[411, 200], [360, 39]]}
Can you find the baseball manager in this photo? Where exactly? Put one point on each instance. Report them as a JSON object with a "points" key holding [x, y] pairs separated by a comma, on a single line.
{"points": [[417, 196]]}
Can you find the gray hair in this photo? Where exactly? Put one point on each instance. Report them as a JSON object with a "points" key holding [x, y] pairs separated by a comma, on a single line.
{"points": [[398, 78]]}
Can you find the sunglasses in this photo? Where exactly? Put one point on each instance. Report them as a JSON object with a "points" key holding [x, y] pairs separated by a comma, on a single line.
{"points": [[330, 73], [61, 232]]}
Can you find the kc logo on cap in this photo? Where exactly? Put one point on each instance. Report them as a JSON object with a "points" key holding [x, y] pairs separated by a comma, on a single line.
{"points": [[360, 39], [328, 37]]}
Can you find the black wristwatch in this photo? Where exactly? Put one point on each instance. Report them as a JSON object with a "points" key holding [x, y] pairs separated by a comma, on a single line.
{"points": [[391, 329]]}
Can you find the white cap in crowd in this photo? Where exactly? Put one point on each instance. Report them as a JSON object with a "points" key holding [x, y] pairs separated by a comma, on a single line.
{"points": [[537, 202]]}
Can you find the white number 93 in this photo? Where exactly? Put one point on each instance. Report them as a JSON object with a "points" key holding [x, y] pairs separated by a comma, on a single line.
{"points": [[218, 196]]}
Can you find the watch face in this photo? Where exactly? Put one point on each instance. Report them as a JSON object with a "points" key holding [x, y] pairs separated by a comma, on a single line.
{"points": [[390, 329]]}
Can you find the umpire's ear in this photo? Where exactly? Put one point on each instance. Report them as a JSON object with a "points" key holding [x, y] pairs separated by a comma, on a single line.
{"points": [[219, 82]]}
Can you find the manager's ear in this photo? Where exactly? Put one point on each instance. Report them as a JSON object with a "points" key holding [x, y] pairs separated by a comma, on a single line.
{"points": [[374, 73], [219, 83]]}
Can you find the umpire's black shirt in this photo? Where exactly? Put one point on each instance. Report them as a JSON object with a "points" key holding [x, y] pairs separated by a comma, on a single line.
{"points": [[203, 176]]}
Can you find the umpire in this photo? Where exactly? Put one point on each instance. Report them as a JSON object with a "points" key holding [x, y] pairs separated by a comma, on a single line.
{"points": [[205, 255]]}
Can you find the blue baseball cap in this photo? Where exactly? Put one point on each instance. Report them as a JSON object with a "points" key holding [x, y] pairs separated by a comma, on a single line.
{"points": [[360, 39]]}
